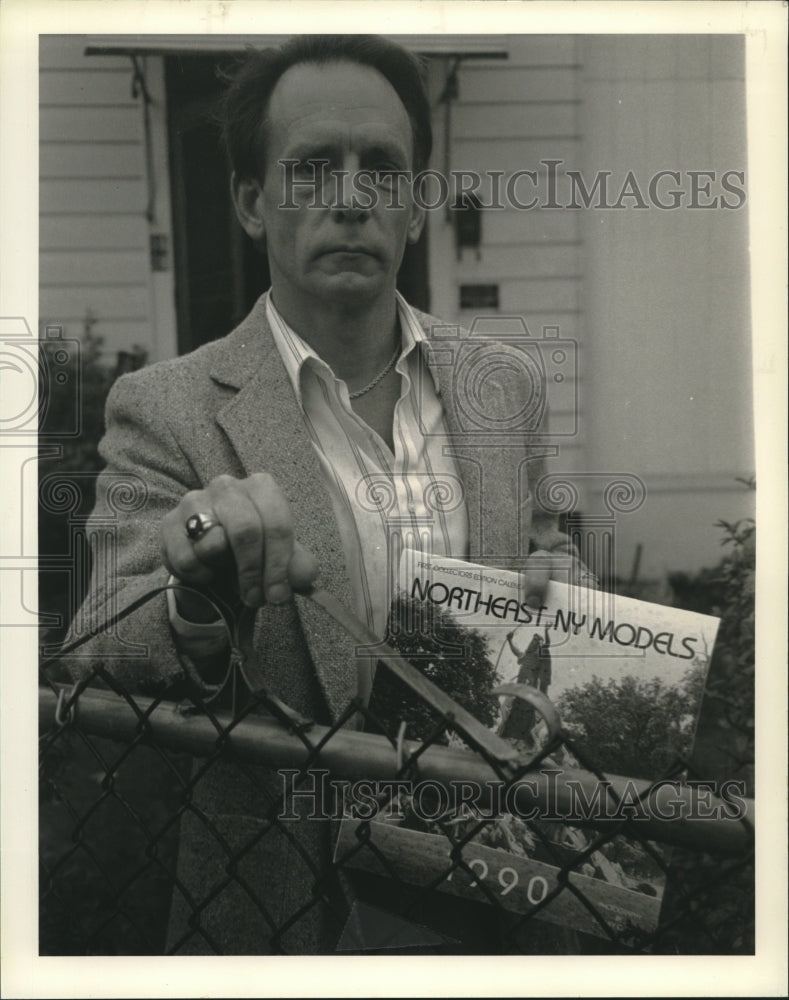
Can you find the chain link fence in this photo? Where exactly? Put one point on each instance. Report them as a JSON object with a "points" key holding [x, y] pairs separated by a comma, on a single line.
{"points": [[546, 854]]}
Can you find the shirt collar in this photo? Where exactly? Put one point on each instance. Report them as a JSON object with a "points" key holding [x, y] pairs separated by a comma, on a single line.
{"points": [[296, 352]]}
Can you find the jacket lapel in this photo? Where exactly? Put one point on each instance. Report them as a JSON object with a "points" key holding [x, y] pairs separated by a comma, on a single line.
{"points": [[491, 467], [265, 425]]}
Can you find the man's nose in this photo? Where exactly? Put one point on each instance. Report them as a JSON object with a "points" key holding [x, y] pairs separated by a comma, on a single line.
{"points": [[345, 195]]}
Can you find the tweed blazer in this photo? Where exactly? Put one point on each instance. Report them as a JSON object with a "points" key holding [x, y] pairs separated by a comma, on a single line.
{"points": [[229, 408]]}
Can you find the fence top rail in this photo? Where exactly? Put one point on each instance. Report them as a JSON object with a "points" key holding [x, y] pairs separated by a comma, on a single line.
{"points": [[666, 813]]}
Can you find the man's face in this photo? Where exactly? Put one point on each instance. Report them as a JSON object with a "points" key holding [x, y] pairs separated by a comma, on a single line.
{"points": [[351, 116]]}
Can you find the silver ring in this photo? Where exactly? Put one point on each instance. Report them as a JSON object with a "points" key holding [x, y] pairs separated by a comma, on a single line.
{"points": [[198, 525]]}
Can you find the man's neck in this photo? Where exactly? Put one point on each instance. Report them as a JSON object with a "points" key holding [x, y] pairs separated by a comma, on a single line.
{"points": [[354, 339]]}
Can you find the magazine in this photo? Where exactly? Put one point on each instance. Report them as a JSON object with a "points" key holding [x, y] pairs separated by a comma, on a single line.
{"points": [[626, 678]]}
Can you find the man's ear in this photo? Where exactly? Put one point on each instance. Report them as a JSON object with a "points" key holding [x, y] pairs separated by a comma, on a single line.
{"points": [[248, 201], [417, 223]]}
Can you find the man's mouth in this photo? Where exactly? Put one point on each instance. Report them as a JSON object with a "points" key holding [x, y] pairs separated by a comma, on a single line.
{"points": [[349, 249]]}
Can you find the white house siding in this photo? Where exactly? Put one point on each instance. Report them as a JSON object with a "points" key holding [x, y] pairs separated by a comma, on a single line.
{"points": [[94, 234], [666, 295], [509, 116]]}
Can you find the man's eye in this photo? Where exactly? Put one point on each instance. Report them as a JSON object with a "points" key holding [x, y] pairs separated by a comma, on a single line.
{"points": [[386, 174], [310, 168]]}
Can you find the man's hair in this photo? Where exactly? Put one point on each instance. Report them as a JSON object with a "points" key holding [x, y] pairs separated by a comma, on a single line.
{"points": [[244, 106]]}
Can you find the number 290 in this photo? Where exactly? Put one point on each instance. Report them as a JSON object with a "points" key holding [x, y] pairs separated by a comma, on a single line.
{"points": [[508, 878]]}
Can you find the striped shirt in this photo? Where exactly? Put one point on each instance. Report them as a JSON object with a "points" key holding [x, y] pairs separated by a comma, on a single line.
{"points": [[382, 501]]}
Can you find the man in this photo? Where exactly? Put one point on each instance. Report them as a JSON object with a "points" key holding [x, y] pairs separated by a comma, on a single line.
{"points": [[289, 449], [534, 669], [534, 662]]}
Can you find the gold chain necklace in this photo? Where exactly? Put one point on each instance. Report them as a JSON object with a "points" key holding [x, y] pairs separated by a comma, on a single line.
{"points": [[378, 377]]}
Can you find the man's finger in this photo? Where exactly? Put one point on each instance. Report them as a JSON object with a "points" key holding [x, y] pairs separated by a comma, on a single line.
{"points": [[563, 567], [179, 557], [213, 549], [243, 529], [582, 576], [278, 543], [303, 568], [568, 568], [535, 577]]}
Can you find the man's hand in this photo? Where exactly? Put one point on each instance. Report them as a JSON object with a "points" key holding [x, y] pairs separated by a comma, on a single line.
{"points": [[250, 550]]}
